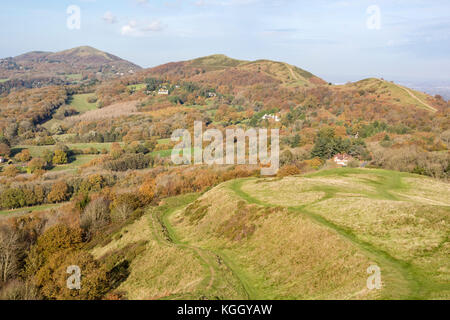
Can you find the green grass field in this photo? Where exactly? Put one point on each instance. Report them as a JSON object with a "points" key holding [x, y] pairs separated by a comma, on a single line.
{"points": [[29, 209], [3, 80], [80, 102], [74, 76], [137, 87], [74, 165]]}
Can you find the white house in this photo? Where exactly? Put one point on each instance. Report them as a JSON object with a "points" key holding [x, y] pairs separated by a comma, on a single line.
{"points": [[164, 92], [212, 94], [342, 159], [273, 117]]}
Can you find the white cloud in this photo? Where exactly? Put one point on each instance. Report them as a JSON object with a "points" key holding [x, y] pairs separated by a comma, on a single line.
{"points": [[108, 17], [135, 29], [142, 2]]}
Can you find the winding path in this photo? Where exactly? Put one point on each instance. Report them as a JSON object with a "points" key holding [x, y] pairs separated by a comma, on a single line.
{"points": [[429, 107], [210, 259]]}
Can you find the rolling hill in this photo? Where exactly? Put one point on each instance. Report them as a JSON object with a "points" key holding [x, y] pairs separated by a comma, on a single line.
{"points": [[69, 65], [221, 70]]}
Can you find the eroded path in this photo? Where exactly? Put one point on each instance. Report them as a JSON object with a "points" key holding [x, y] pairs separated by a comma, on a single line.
{"points": [[216, 269]]}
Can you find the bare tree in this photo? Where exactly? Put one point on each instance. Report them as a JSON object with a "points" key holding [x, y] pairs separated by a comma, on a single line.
{"points": [[9, 253]]}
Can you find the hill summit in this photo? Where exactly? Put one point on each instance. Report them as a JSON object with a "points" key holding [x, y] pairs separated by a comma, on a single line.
{"points": [[69, 65]]}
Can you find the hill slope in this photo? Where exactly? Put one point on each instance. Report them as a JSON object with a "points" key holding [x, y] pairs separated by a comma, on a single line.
{"points": [[315, 242]]}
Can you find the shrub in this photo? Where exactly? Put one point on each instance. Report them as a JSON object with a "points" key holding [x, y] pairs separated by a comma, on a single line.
{"points": [[354, 164], [289, 170], [19, 290], [11, 171]]}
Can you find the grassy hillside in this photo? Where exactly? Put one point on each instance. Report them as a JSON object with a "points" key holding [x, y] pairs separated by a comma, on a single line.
{"points": [[395, 93], [244, 240]]}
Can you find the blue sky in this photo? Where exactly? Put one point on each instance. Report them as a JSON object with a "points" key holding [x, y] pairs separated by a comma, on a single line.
{"points": [[331, 39]]}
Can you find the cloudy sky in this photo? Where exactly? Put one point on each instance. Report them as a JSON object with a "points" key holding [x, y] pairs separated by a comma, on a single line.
{"points": [[337, 40]]}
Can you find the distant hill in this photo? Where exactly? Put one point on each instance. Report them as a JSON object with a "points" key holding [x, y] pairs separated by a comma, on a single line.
{"points": [[393, 93], [72, 65], [221, 70]]}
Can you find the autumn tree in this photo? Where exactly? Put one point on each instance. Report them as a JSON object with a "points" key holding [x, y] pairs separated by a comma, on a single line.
{"points": [[23, 156], [5, 150], [9, 253], [116, 150], [95, 215], [148, 190], [59, 193], [60, 157], [52, 277], [36, 164], [55, 239]]}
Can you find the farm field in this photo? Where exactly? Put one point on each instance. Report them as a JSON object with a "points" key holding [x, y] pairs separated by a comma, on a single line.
{"points": [[37, 151], [75, 164], [329, 228], [137, 87], [74, 76], [81, 104]]}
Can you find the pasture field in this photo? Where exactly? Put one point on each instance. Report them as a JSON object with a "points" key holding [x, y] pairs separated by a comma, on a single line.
{"points": [[81, 104]]}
